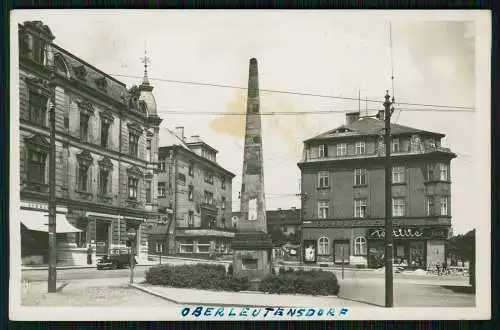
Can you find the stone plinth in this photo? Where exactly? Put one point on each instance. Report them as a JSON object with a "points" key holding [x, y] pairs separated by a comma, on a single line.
{"points": [[252, 255]]}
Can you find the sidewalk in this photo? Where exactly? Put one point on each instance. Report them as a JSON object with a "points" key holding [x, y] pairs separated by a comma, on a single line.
{"points": [[243, 299]]}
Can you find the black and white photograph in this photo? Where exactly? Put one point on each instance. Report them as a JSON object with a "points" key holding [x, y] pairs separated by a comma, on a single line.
{"points": [[250, 165]]}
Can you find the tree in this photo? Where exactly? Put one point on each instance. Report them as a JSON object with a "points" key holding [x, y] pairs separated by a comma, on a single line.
{"points": [[462, 246]]}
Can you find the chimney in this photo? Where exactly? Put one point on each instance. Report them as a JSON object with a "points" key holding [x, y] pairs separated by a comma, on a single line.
{"points": [[351, 117], [381, 114], [180, 132]]}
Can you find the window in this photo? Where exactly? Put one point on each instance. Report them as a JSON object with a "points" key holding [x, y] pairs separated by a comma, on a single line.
{"points": [[37, 108], [103, 181], [83, 170], [148, 191], [84, 127], [430, 172], [360, 208], [398, 174], [360, 176], [360, 245], [323, 151], [209, 198], [323, 179], [159, 247], [223, 203], [190, 192], [191, 168], [133, 184], [398, 207], [161, 189], [341, 149], [443, 172], [162, 164], [133, 141], [395, 145], [181, 177], [223, 183], [40, 51], [203, 246], [322, 209], [186, 246], [323, 246], [444, 205], [190, 219], [360, 148], [415, 143], [148, 150], [209, 177], [104, 134], [430, 205], [36, 166]]}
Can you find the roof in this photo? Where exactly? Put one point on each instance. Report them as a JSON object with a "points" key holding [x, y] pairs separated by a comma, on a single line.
{"points": [[168, 138], [368, 126], [196, 140]]}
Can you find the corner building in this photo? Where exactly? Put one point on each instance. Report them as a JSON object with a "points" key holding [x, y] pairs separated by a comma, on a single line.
{"points": [[343, 184], [106, 153]]}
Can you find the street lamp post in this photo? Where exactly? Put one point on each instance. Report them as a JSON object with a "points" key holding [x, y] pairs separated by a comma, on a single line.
{"points": [[131, 234]]}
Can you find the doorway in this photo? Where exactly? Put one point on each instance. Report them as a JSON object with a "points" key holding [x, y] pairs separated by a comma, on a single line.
{"points": [[102, 237], [341, 252]]}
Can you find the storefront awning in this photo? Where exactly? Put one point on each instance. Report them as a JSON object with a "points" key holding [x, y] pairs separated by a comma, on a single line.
{"points": [[38, 221]]}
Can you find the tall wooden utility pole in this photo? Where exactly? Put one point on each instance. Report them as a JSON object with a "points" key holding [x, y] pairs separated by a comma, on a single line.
{"points": [[52, 189], [388, 204]]}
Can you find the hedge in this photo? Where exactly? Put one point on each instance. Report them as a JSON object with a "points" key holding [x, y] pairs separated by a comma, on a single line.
{"points": [[314, 282], [198, 276]]}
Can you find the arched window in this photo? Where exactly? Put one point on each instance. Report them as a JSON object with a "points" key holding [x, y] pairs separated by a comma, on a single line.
{"points": [[323, 246], [360, 245]]}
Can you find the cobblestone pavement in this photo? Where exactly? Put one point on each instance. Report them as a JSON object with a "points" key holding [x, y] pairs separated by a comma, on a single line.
{"points": [[89, 293]]}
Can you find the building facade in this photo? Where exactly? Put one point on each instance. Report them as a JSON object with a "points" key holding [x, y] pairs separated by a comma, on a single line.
{"points": [[106, 152], [195, 193], [343, 184]]}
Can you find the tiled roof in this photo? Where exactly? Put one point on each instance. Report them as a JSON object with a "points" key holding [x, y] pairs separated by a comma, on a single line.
{"points": [[368, 126], [114, 89]]}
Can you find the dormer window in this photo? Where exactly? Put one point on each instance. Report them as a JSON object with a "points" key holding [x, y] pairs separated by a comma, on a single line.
{"points": [[101, 83], [80, 72]]}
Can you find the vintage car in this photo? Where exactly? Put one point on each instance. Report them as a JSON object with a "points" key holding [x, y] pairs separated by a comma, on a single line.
{"points": [[117, 258]]}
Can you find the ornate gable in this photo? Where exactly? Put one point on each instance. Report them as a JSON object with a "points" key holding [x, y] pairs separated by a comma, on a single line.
{"points": [[85, 158], [38, 142], [106, 164], [134, 171]]}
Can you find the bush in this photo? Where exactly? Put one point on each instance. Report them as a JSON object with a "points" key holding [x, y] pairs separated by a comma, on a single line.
{"points": [[230, 269], [314, 282], [198, 276]]}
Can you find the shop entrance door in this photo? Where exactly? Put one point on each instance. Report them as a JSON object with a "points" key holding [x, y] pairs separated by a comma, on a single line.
{"points": [[102, 237]]}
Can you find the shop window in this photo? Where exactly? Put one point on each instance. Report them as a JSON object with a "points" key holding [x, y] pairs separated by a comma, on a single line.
{"points": [[360, 246], [186, 246], [323, 246]]}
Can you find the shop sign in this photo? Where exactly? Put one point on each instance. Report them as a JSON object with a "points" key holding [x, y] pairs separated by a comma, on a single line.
{"points": [[410, 233]]}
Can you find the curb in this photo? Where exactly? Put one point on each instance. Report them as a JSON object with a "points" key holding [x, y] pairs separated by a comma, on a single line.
{"points": [[72, 267], [159, 295]]}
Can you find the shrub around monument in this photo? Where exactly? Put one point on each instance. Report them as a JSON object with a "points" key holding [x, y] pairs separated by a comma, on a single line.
{"points": [[198, 276], [314, 282]]}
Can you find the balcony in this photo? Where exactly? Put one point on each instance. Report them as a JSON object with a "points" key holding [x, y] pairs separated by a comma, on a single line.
{"points": [[379, 153]]}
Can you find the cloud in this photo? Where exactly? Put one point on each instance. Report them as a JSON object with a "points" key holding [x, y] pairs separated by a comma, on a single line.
{"points": [[231, 123]]}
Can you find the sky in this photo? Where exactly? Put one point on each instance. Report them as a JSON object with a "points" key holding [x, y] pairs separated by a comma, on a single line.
{"points": [[316, 52]]}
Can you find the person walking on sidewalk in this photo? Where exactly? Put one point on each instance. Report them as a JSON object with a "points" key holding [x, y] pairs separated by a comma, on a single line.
{"points": [[89, 255]]}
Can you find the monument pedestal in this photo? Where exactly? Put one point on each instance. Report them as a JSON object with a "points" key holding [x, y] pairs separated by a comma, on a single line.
{"points": [[252, 256]]}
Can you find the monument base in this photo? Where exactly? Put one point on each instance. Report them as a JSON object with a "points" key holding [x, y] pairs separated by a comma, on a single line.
{"points": [[252, 256]]}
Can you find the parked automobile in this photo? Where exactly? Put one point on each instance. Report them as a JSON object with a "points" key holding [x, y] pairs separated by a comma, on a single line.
{"points": [[117, 258]]}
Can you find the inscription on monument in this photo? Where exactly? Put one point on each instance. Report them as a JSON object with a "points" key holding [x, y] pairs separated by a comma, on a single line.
{"points": [[252, 209]]}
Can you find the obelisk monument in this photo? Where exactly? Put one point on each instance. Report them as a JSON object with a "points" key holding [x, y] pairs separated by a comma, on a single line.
{"points": [[252, 245]]}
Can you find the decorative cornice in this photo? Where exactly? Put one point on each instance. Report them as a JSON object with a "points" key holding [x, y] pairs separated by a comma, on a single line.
{"points": [[134, 128], [38, 141], [41, 85], [101, 83], [80, 72], [107, 116]]}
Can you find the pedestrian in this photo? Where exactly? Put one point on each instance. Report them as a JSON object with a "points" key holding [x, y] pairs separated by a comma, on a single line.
{"points": [[445, 268], [89, 255], [438, 269]]}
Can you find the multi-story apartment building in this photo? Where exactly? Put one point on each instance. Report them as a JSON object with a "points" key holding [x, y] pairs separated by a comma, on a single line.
{"points": [[106, 152], [197, 192], [342, 180]]}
